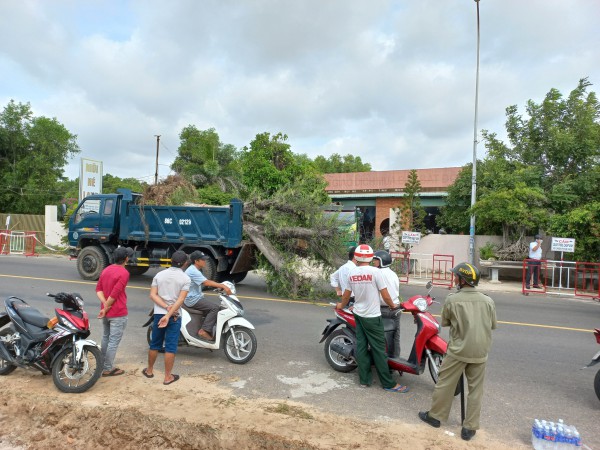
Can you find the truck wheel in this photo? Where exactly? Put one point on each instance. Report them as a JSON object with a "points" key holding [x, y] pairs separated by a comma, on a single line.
{"points": [[91, 262], [210, 269], [238, 277], [137, 270]]}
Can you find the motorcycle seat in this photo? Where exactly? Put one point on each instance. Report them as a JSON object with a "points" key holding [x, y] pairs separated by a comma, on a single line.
{"points": [[29, 315], [193, 311]]}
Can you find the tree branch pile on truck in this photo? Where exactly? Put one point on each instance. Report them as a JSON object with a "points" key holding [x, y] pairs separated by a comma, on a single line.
{"points": [[102, 222]]}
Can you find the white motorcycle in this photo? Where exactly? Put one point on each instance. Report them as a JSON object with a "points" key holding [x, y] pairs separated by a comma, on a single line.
{"points": [[231, 329]]}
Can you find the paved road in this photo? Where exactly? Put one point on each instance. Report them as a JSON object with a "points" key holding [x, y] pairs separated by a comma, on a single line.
{"points": [[533, 371]]}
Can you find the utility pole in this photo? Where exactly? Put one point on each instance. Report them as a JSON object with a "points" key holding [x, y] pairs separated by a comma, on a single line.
{"points": [[156, 169], [474, 170]]}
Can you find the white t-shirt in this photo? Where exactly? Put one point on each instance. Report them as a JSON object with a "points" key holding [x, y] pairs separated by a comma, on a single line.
{"points": [[339, 278], [535, 254], [170, 282], [392, 283], [366, 282]]}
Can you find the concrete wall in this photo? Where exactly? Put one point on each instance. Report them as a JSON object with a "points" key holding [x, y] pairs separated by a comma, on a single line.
{"points": [[55, 230], [451, 244]]}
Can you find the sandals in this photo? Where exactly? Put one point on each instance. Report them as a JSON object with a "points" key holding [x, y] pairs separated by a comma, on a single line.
{"points": [[175, 378], [146, 374], [113, 373], [399, 389]]}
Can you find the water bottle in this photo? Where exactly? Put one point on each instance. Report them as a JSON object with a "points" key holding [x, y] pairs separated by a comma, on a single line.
{"points": [[537, 435], [577, 439]]}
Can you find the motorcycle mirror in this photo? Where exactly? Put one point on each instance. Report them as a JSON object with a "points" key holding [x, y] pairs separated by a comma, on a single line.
{"points": [[429, 285]]}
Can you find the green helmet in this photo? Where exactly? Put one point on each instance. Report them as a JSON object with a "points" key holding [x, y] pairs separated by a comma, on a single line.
{"points": [[467, 272]]}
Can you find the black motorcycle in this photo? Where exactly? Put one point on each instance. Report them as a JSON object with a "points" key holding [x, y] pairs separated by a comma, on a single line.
{"points": [[57, 346], [596, 360]]}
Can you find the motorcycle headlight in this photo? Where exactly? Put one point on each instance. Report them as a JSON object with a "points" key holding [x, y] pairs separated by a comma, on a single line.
{"points": [[421, 304]]}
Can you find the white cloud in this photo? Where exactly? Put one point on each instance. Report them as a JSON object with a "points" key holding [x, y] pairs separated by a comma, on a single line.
{"points": [[392, 82]]}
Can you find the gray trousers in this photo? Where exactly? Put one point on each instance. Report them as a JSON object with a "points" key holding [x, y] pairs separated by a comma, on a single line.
{"points": [[114, 327], [395, 314], [443, 394], [210, 308]]}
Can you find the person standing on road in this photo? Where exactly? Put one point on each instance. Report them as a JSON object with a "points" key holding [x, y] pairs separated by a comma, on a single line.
{"points": [[195, 298], [367, 283], [110, 289], [383, 261], [339, 278], [534, 264], [168, 292], [471, 317]]}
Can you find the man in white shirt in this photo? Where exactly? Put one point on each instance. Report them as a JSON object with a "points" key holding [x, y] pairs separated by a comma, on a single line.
{"points": [[339, 278], [168, 291], [368, 284], [383, 261], [534, 264]]}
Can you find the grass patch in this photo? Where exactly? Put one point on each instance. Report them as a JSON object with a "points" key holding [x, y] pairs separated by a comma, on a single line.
{"points": [[289, 410]]}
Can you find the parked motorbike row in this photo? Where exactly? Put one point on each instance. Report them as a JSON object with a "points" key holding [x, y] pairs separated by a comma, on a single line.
{"points": [[60, 345]]}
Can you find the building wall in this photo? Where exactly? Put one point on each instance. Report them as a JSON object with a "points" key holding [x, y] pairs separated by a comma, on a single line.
{"points": [[55, 229]]}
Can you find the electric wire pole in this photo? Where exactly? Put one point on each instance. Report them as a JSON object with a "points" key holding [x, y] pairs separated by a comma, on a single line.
{"points": [[474, 169], [156, 167]]}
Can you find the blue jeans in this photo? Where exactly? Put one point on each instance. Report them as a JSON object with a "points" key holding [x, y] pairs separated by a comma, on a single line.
{"points": [[114, 328]]}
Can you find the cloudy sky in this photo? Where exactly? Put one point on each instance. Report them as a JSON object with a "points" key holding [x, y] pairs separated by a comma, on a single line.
{"points": [[390, 81]]}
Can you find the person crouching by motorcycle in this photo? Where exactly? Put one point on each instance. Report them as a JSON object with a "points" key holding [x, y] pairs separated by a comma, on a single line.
{"points": [[367, 283], [195, 298], [383, 261], [168, 291], [471, 317]]}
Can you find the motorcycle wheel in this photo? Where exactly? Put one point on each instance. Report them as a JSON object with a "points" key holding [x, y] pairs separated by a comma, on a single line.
{"points": [[597, 384], [434, 364], [5, 366], [77, 380], [246, 348], [339, 362]]}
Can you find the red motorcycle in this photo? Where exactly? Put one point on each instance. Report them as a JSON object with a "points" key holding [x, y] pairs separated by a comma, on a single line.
{"points": [[340, 344], [57, 346], [596, 360]]}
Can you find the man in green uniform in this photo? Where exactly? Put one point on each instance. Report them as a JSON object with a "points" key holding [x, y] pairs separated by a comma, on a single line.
{"points": [[471, 317]]}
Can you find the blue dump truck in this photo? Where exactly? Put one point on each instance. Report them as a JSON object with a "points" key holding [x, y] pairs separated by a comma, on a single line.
{"points": [[103, 222]]}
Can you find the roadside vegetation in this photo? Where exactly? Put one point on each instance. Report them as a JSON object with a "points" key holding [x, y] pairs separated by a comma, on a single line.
{"points": [[544, 179]]}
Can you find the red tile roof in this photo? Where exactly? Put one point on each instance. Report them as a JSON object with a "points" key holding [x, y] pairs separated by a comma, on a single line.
{"points": [[432, 180]]}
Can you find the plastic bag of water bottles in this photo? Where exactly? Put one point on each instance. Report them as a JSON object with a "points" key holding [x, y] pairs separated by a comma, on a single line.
{"points": [[546, 435]]}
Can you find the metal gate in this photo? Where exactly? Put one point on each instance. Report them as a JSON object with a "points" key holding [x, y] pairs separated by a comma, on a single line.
{"points": [[401, 265], [441, 274], [587, 279]]}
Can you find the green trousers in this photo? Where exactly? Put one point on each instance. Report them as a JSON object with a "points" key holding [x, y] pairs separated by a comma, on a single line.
{"points": [[443, 393], [369, 331]]}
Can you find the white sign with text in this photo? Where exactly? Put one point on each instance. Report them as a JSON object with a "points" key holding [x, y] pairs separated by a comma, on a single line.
{"points": [[90, 178], [411, 237], [563, 245]]}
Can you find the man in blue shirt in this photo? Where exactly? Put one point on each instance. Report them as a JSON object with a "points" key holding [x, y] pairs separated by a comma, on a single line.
{"points": [[195, 298]]}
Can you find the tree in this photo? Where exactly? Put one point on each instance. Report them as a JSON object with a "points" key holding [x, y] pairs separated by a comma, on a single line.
{"points": [[204, 160], [341, 164], [267, 164], [33, 154], [412, 211], [547, 176]]}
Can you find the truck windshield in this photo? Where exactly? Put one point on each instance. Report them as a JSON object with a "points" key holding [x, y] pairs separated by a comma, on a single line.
{"points": [[87, 208]]}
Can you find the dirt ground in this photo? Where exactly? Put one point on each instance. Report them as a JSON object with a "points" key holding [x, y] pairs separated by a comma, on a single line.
{"points": [[131, 411]]}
